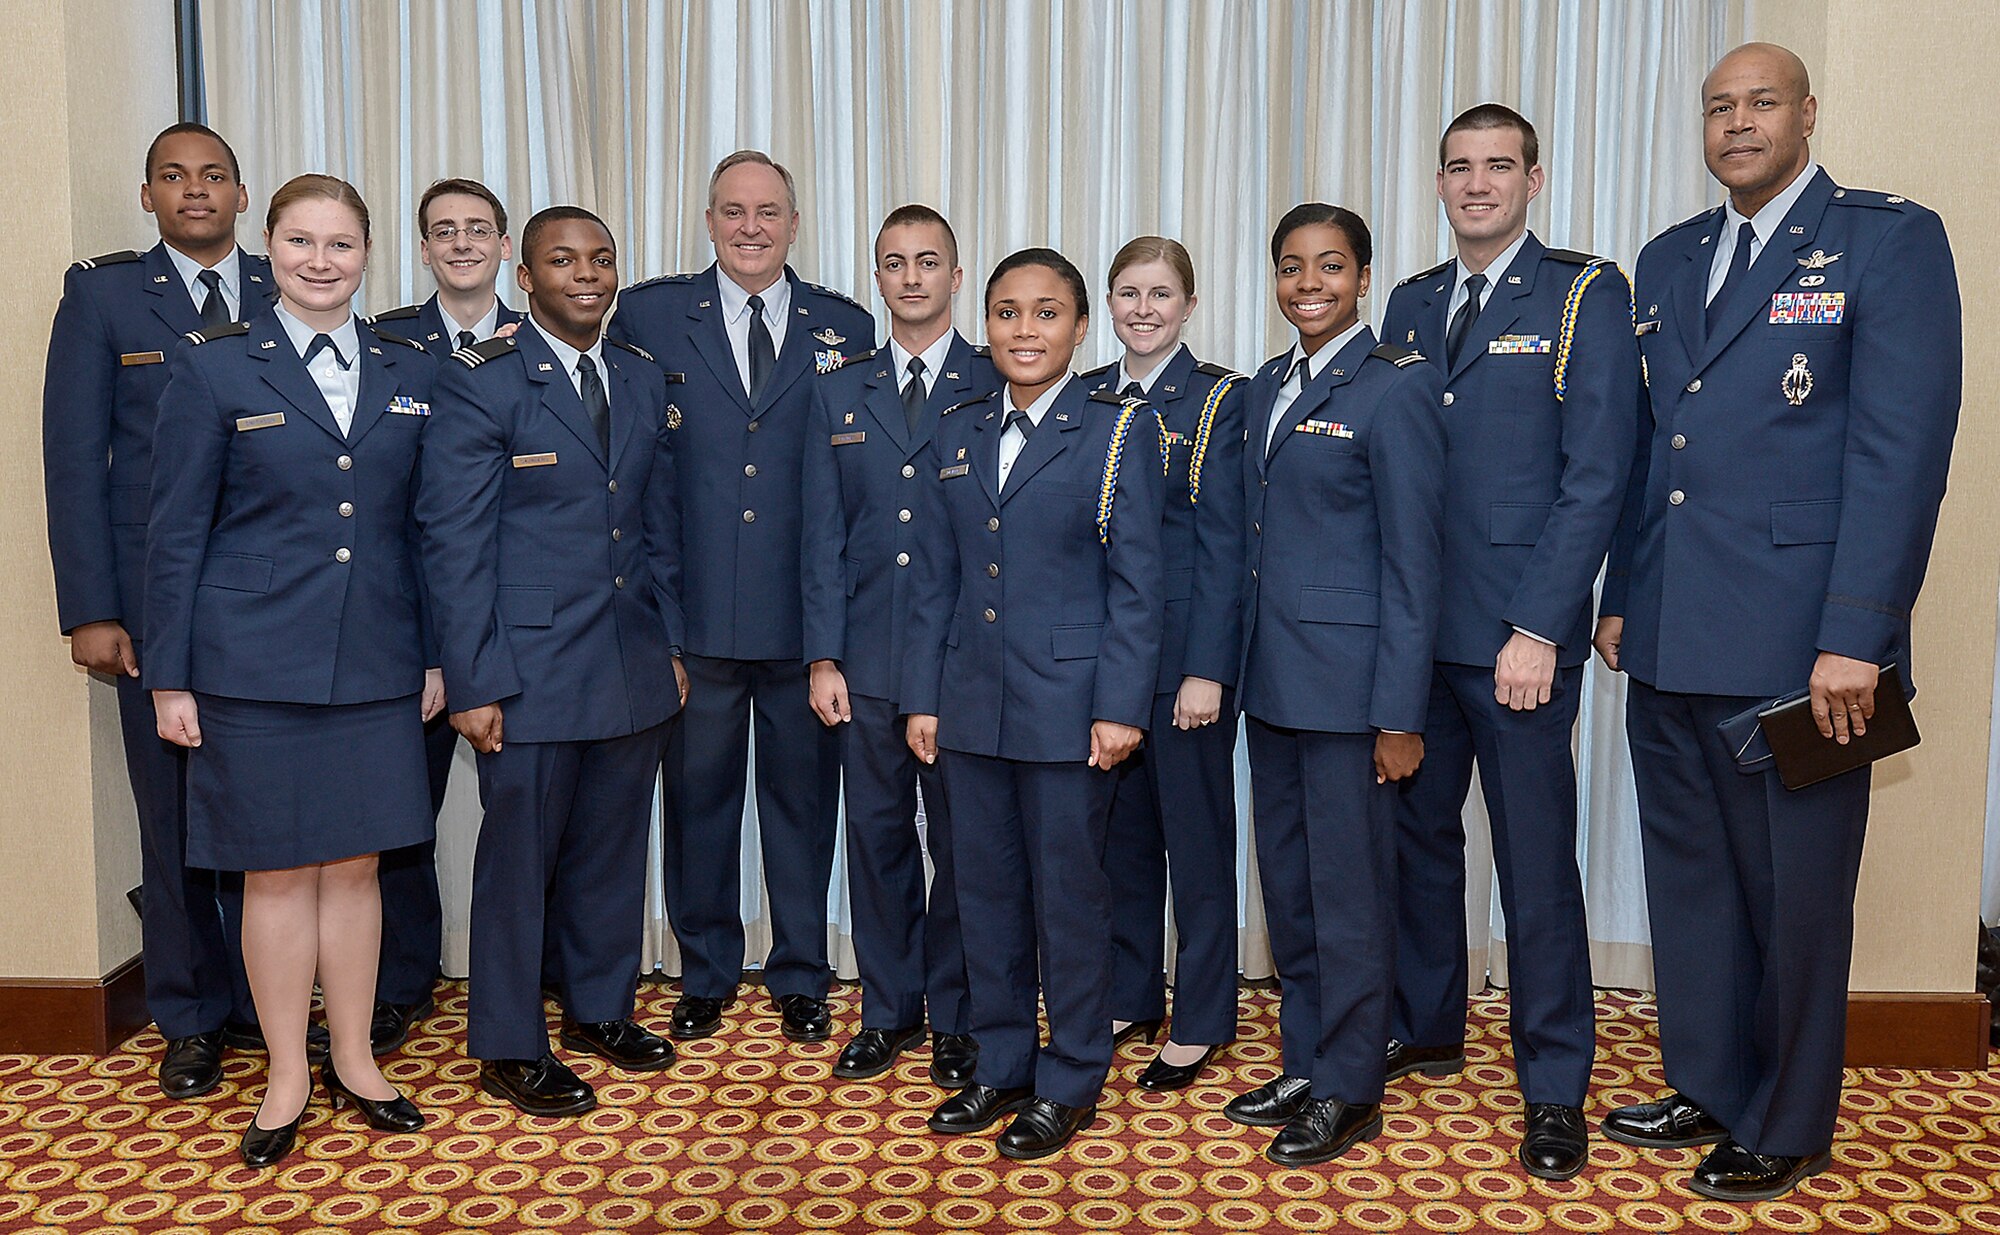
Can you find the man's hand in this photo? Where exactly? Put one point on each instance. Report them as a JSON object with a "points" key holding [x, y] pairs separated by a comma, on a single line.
{"points": [[481, 727], [1610, 636], [104, 647], [1198, 703], [1843, 695], [1523, 672], [177, 718], [1111, 742], [681, 680], [1397, 756], [433, 693], [827, 686], [921, 734]]}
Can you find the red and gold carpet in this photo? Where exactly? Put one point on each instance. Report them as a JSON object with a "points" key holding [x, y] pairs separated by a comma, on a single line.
{"points": [[751, 1133]]}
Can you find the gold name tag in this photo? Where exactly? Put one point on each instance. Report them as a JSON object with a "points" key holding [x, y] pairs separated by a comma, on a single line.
{"points": [[268, 421], [956, 469], [142, 357], [1646, 327], [849, 439], [547, 460]]}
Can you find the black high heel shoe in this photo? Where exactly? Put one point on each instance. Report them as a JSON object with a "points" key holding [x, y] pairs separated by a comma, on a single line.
{"points": [[397, 1114], [1150, 1028], [1161, 1075], [264, 1147]]}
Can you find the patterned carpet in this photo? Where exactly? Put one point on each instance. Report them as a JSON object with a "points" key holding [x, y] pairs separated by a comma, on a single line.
{"points": [[751, 1133]]}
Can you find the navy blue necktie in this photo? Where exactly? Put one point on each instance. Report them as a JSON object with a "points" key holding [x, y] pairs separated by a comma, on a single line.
{"points": [[466, 338], [595, 404], [320, 341], [1461, 324], [914, 394], [1739, 262], [1018, 419], [214, 308], [763, 355]]}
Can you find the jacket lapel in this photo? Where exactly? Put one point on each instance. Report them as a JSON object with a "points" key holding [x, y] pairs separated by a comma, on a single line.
{"points": [[378, 382], [953, 387], [558, 395], [258, 291], [796, 357], [1338, 372], [1171, 385], [1065, 416], [986, 450], [1503, 303], [1688, 293], [710, 339], [285, 373], [624, 395], [1434, 298], [1777, 262], [169, 295], [885, 402]]}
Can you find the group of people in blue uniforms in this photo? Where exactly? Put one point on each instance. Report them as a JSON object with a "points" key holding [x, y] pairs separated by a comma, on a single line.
{"points": [[971, 587]]}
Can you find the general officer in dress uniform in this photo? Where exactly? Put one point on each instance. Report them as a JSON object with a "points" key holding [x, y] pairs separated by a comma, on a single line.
{"points": [[121, 316], [551, 541], [462, 239], [1541, 392], [740, 343], [1033, 652], [1803, 343], [1345, 474], [1176, 796], [286, 636], [871, 422]]}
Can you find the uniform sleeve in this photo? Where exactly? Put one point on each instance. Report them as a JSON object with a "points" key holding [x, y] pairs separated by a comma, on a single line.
{"points": [[1906, 379], [458, 508], [823, 540], [1215, 614], [1128, 657], [78, 393], [421, 389], [933, 589], [190, 449], [663, 531], [1599, 426], [1406, 459]]}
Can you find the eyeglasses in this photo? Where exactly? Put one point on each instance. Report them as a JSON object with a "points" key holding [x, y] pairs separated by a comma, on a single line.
{"points": [[445, 233]]}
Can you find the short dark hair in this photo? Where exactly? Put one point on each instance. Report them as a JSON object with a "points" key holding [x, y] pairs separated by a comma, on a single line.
{"points": [[914, 213], [454, 184], [1495, 116], [189, 126], [1311, 214], [1051, 260], [557, 214]]}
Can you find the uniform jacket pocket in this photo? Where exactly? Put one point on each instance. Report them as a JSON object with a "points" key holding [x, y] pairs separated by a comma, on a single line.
{"points": [[1339, 605], [238, 572], [526, 606], [1805, 523], [1517, 523], [1075, 642]]}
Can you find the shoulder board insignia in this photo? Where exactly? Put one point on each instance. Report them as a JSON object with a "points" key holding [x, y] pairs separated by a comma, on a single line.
{"points": [[1870, 197], [397, 315], [386, 337], [1575, 256], [660, 279], [837, 295], [1112, 397], [1421, 275], [633, 348], [1217, 370], [969, 402], [484, 350], [1280, 358], [107, 259], [1704, 217], [199, 337], [857, 357], [1099, 371], [982, 350], [1402, 358]]}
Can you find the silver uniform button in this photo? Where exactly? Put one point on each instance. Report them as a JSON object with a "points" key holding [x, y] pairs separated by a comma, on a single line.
{"points": [[993, 524], [1676, 498], [347, 510], [1694, 387], [749, 469], [613, 486], [1680, 441], [341, 555], [344, 462], [749, 516], [902, 559], [616, 534], [618, 581], [992, 570], [991, 616], [1449, 398], [903, 516], [909, 470], [752, 426]]}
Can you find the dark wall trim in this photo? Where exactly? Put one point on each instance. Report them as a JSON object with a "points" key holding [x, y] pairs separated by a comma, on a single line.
{"points": [[187, 48], [73, 1016]]}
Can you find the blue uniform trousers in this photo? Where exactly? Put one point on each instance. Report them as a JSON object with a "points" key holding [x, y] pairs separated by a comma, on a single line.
{"points": [[1035, 907], [1326, 853], [191, 920], [1750, 888], [1176, 800], [412, 917], [1528, 777], [798, 805], [561, 858]]}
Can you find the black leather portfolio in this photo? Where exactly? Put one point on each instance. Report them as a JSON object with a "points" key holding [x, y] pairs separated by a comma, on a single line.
{"points": [[1783, 731]]}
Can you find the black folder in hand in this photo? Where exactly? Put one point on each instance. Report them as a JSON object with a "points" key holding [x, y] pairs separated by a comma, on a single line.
{"points": [[1804, 757]]}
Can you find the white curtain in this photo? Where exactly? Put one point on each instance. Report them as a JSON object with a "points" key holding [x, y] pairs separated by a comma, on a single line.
{"points": [[1072, 123]]}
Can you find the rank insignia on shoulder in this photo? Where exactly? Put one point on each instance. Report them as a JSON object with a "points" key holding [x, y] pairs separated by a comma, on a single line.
{"points": [[397, 315], [829, 336], [1421, 275], [633, 348], [110, 259], [387, 337], [835, 293], [1110, 396], [210, 335], [673, 417], [982, 350], [1396, 356], [484, 350]]}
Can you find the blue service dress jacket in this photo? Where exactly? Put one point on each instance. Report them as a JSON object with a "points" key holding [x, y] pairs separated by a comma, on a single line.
{"points": [[424, 325], [1787, 487], [281, 557], [553, 568]]}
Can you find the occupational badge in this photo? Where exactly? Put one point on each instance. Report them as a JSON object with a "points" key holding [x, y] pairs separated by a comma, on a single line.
{"points": [[1820, 259], [828, 337], [1798, 380], [673, 417]]}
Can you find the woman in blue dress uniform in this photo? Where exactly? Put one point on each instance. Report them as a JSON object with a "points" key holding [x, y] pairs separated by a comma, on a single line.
{"points": [[287, 639], [1176, 796]]}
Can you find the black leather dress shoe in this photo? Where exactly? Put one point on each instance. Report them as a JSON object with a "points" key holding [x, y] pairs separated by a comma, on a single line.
{"points": [[954, 1058], [623, 1042], [1673, 1122], [242, 1036], [1271, 1105], [1043, 1128], [1556, 1144], [872, 1052], [803, 1018], [1161, 1076], [1324, 1130], [397, 1114], [1733, 1173], [977, 1108], [264, 1147], [696, 1016], [1150, 1029], [393, 1022], [192, 1066], [1429, 1060], [537, 1086]]}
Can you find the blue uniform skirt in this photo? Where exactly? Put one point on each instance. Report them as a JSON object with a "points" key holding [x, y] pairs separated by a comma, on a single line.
{"points": [[278, 785]]}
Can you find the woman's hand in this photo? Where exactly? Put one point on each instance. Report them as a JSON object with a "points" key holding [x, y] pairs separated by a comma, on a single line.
{"points": [[433, 693], [921, 734], [178, 719], [1198, 703], [1397, 756]]}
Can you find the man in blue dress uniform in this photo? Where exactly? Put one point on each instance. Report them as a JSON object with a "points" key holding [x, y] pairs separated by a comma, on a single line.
{"points": [[740, 344], [121, 316], [1804, 355], [1540, 407], [870, 425], [551, 545], [462, 239]]}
